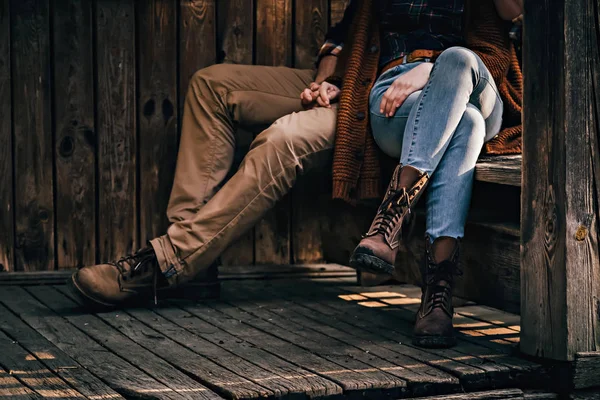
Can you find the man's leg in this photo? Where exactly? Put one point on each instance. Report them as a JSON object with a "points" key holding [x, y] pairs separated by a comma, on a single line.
{"points": [[293, 144], [220, 98]]}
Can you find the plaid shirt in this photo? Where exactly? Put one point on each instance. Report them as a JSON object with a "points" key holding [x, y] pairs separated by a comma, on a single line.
{"points": [[406, 25]]}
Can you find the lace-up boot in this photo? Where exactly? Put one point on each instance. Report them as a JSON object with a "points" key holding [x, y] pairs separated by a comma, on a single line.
{"points": [[433, 326], [394, 222], [132, 279]]}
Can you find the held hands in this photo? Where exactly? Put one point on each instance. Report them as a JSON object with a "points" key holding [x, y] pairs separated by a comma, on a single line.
{"points": [[405, 85], [321, 95]]}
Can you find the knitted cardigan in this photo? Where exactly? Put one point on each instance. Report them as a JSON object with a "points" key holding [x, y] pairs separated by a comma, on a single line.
{"points": [[357, 160]]}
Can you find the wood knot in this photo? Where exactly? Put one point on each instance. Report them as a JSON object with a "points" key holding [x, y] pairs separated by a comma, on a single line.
{"points": [[581, 233], [66, 147]]}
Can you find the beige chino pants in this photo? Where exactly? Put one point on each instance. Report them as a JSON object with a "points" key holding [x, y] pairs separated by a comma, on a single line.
{"points": [[220, 98]]}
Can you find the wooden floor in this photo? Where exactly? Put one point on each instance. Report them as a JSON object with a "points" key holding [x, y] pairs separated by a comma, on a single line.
{"points": [[276, 338]]}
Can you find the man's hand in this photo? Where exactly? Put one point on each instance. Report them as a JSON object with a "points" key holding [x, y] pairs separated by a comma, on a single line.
{"points": [[404, 86], [319, 94]]}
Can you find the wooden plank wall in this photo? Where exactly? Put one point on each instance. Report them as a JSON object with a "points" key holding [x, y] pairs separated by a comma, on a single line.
{"points": [[90, 102]]}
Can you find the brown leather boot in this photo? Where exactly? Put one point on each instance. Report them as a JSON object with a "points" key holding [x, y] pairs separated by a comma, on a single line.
{"points": [[394, 221], [132, 279], [433, 326]]}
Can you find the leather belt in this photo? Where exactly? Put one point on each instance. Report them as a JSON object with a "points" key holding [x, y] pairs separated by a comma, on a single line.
{"points": [[417, 55]]}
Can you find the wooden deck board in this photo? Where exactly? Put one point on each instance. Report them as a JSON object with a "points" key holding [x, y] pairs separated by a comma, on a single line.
{"points": [[265, 338], [472, 372], [119, 374], [31, 372], [53, 358], [319, 332], [175, 384], [186, 351], [11, 388]]}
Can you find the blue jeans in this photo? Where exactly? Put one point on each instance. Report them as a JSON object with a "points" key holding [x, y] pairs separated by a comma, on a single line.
{"points": [[441, 130]]}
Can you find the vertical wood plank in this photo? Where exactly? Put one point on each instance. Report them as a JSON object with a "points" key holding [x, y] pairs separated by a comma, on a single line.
{"points": [[582, 28], [560, 265], [116, 112], [310, 27], [274, 47], [75, 137], [236, 31], [274, 32], [197, 40], [34, 204], [6, 145], [236, 38], [157, 112], [308, 203]]}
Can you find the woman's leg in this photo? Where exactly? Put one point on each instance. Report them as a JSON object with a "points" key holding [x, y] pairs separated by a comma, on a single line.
{"points": [[450, 187]]}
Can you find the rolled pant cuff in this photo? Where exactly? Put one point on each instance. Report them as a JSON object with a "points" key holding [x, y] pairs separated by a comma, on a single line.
{"points": [[168, 262]]}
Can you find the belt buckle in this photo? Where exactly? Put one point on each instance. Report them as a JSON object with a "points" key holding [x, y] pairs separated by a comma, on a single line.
{"points": [[405, 59]]}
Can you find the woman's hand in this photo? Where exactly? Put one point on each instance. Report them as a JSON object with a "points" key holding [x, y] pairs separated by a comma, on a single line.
{"points": [[319, 94], [404, 86]]}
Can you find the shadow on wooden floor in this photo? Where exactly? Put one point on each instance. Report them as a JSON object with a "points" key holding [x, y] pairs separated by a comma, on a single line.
{"points": [[293, 339]]}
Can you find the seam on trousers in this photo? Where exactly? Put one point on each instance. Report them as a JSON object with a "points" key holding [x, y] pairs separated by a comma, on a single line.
{"points": [[252, 201]]}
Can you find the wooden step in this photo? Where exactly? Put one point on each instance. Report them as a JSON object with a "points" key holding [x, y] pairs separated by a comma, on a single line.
{"points": [[504, 170]]}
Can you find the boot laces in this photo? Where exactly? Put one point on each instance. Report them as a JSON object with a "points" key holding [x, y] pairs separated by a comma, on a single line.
{"points": [[138, 264], [445, 271], [391, 210]]}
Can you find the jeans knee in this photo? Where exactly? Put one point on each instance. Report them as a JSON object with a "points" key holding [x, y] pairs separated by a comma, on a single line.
{"points": [[458, 57], [472, 126]]}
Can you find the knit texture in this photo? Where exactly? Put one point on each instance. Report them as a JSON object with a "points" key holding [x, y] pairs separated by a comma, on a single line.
{"points": [[356, 159]]}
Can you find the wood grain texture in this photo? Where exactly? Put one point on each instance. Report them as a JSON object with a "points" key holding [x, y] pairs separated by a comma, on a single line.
{"points": [[120, 375], [33, 158], [29, 370], [54, 359], [276, 373], [505, 170], [274, 47], [310, 26], [236, 31], [337, 10], [6, 145], [274, 32], [116, 124], [236, 40], [319, 337], [308, 202], [234, 377], [14, 389], [157, 112], [585, 370], [177, 385], [75, 140], [559, 206], [197, 40]]}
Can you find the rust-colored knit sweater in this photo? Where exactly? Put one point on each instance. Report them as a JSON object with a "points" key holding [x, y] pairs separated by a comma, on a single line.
{"points": [[356, 162]]}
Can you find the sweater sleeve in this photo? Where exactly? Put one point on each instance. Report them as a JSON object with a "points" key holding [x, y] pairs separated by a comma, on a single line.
{"points": [[488, 36], [334, 39]]}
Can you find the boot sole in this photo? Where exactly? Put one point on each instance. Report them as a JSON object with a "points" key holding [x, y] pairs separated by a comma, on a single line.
{"points": [[434, 342], [368, 263], [86, 299]]}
